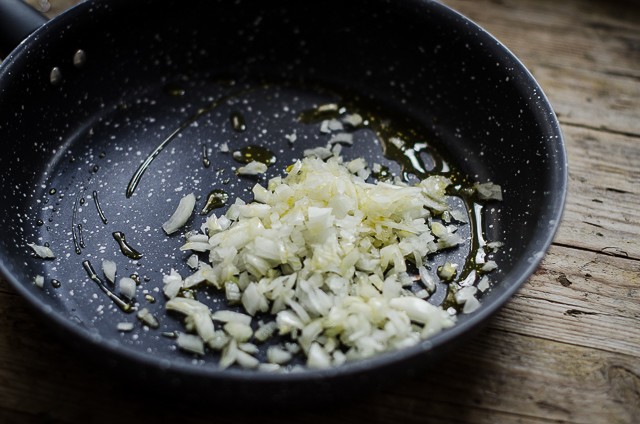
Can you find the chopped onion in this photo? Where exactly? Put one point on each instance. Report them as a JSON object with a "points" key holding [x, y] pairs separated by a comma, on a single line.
{"points": [[489, 266], [147, 318], [317, 357], [127, 287], [470, 305], [39, 281], [466, 294], [277, 355], [265, 331], [239, 331], [43, 252], [252, 168], [483, 284], [219, 341], [245, 360], [190, 343], [172, 284], [231, 316], [186, 306], [354, 120], [488, 191], [324, 253], [124, 326], [192, 262], [291, 137], [342, 138], [494, 245], [181, 215], [109, 270], [447, 271]]}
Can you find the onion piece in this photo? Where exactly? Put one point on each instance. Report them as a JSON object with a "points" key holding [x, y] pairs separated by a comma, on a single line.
{"points": [[124, 326], [190, 343], [127, 287], [43, 252], [172, 284], [488, 191], [231, 316], [147, 318], [181, 215], [277, 355], [186, 306], [252, 168], [39, 281], [109, 270]]}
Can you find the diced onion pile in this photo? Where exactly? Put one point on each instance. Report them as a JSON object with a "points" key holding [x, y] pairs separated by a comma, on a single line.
{"points": [[320, 256]]}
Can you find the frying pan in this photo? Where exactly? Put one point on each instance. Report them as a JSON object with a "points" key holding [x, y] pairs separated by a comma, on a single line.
{"points": [[89, 95]]}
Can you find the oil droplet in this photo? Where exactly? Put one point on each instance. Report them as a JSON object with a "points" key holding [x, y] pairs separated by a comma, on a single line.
{"points": [[125, 248], [53, 191], [79, 58], [216, 199], [98, 207], [254, 153], [74, 230], [55, 283], [81, 236], [39, 223], [82, 201], [136, 278], [102, 155], [205, 157], [174, 90], [237, 122], [95, 169], [55, 76]]}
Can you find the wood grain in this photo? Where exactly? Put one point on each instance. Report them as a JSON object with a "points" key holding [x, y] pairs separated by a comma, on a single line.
{"points": [[565, 349]]}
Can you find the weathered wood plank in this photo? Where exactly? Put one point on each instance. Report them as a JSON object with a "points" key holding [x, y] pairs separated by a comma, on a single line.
{"points": [[603, 206], [583, 97], [579, 298]]}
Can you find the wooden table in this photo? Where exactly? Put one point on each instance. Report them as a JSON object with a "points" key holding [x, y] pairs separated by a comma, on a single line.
{"points": [[565, 349]]}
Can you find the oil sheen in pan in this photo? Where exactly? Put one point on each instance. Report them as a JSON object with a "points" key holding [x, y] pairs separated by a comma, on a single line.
{"points": [[139, 180]]}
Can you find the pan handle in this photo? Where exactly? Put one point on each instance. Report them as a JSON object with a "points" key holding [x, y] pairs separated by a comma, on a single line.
{"points": [[17, 21]]}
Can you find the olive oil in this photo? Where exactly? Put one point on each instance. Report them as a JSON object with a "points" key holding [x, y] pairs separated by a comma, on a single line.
{"points": [[103, 218], [125, 248], [254, 153], [215, 200]]}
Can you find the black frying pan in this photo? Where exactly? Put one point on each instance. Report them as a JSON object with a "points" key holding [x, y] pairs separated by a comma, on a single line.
{"points": [[87, 97]]}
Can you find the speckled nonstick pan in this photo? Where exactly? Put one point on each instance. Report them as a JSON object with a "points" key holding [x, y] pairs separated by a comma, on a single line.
{"points": [[88, 96]]}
